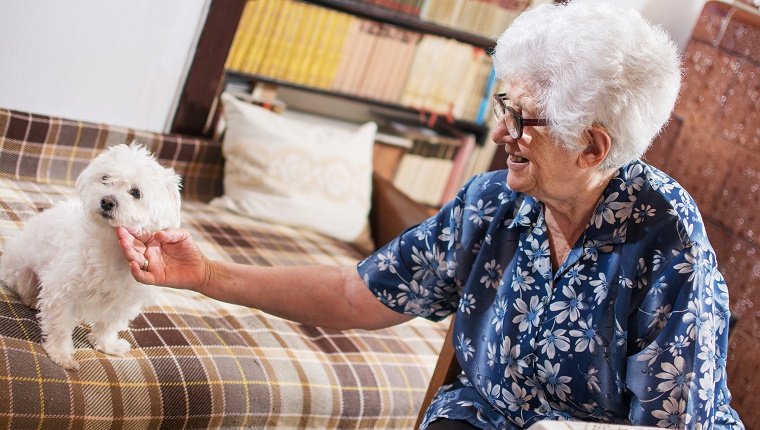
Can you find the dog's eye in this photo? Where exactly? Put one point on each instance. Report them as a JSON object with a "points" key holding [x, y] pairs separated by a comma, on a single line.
{"points": [[105, 178], [135, 192]]}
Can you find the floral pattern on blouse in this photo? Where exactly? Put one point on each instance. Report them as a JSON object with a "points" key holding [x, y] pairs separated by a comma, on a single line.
{"points": [[631, 328]]}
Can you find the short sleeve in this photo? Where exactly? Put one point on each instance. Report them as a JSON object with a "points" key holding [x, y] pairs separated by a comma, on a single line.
{"points": [[678, 379], [421, 272]]}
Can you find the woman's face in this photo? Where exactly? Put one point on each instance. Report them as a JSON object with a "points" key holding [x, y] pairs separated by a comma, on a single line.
{"points": [[537, 165]]}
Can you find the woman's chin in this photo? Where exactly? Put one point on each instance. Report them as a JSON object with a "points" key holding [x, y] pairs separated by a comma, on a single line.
{"points": [[520, 183]]}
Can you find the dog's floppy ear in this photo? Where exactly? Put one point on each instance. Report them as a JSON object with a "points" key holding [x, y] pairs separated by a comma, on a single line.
{"points": [[85, 176], [173, 183]]}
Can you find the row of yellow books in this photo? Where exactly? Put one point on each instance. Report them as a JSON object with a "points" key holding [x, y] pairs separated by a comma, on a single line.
{"points": [[310, 45], [288, 39]]}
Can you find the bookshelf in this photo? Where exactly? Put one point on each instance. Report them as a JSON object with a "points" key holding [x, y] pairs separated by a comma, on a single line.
{"points": [[479, 130], [411, 22], [370, 53]]}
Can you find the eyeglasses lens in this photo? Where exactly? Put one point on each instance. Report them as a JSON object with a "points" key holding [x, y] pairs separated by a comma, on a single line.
{"points": [[509, 116], [512, 123]]}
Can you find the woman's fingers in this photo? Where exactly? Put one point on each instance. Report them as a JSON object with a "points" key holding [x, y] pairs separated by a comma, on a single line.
{"points": [[141, 235], [127, 245], [140, 275], [170, 236]]}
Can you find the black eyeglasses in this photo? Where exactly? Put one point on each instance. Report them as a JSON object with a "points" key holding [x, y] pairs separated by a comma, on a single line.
{"points": [[513, 120]]}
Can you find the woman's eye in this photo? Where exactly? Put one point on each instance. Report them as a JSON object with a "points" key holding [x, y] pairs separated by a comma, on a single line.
{"points": [[135, 192]]}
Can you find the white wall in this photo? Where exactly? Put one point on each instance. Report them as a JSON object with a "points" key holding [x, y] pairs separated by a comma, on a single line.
{"points": [[112, 61], [678, 17]]}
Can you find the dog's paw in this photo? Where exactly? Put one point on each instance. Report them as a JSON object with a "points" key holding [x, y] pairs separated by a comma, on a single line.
{"points": [[67, 361], [30, 302], [113, 347]]}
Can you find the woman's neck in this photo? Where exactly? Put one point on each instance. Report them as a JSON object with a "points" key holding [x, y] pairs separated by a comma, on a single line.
{"points": [[567, 218]]}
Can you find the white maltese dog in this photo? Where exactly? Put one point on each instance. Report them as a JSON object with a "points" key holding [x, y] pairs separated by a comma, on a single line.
{"points": [[67, 260]]}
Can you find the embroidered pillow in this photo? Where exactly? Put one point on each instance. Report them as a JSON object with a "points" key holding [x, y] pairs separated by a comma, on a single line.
{"points": [[297, 171]]}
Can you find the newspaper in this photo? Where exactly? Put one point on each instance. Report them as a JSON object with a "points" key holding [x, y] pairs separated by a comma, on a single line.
{"points": [[578, 425]]}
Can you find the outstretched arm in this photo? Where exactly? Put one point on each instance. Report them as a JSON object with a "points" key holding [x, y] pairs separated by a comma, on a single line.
{"points": [[323, 296]]}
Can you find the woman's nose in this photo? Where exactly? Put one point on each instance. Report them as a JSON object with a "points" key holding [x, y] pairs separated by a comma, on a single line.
{"points": [[499, 134]]}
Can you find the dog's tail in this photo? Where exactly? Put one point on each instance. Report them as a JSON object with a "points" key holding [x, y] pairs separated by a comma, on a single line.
{"points": [[18, 276]]}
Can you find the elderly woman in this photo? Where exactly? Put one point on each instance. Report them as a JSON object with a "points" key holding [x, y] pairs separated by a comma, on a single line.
{"points": [[582, 279]]}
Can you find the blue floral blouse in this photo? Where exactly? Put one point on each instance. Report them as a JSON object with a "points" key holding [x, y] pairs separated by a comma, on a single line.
{"points": [[632, 327]]}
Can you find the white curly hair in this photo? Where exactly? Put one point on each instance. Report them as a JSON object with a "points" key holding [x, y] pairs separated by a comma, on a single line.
{"points": [[593, 63]]}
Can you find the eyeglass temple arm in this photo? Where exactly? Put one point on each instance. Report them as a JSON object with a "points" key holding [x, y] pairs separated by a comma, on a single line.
{"points": [[534, 122]]}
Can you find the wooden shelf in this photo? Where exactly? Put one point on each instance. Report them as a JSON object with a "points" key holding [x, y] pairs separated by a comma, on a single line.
{"points": [[410, 22], [479, 130]]}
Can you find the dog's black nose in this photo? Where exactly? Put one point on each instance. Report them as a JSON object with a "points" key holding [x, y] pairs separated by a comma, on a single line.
{"points": [[108, 202]]}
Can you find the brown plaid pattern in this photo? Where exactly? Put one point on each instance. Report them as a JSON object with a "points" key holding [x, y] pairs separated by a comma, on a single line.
{"points": [[54, 151], [195, 362]]}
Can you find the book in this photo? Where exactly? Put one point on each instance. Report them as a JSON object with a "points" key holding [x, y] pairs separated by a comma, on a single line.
{"points": [[457, 174], [274, 42], [414, 92], [243, 36], [333, 49], [375, 69], [485, 104], [347, 54], [315, 20], [365, 41], [261, 35], [319, 47], [394, 65], [424, 171], [409, 41], [469, 84], [286, 58], [297, 53]]}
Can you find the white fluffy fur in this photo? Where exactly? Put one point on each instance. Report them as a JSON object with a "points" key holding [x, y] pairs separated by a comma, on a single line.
{"points": [[593, 63], [67, 259]]}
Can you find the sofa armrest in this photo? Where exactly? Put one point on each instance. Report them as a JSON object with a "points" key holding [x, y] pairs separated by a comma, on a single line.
{"points": [[392, 211]]}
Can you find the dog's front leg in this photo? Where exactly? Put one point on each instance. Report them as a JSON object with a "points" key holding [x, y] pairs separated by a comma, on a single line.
{"points": [[57, 323], [105, 337]]}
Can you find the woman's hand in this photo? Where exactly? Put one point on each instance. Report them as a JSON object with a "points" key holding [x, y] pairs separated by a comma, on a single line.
{"points": [[168, 258]]}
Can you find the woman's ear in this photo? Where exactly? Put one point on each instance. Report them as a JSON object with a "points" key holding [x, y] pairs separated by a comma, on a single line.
{"points": [[598, 146]]}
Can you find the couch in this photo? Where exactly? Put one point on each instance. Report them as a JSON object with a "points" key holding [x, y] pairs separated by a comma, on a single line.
{"points": [[197, 362]]}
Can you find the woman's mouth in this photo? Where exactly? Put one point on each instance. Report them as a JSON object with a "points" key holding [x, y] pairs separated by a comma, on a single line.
{"points": [[517, 159]]}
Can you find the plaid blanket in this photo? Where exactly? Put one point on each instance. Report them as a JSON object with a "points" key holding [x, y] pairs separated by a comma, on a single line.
{"points": [[195, 362]]}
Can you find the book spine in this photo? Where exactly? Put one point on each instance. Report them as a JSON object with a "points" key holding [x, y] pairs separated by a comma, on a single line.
{"points": [[287, 55], [391, 70], [333, 50], [365, 51], [347, 54], [297, 52], [259, 37], [456, 177], [485, 102], [375, 69], [273, 41], [410, 41], [319, 46], [243, 37]]}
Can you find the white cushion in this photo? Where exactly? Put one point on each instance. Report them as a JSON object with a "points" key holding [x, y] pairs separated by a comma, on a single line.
{"points": [[298, 172]]}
